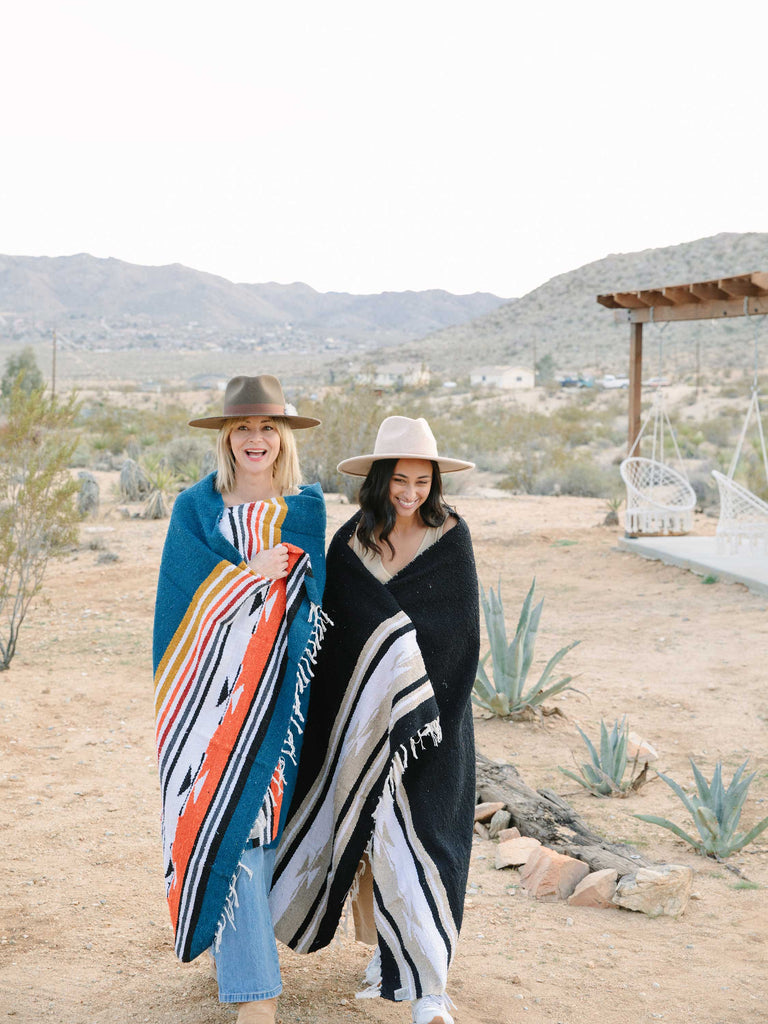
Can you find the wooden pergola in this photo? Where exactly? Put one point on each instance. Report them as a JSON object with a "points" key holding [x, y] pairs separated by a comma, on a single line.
{"points": [[744, 295]]}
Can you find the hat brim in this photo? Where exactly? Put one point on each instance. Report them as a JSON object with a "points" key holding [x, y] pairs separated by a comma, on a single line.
{"points": [[361, 464], [214, 422]]}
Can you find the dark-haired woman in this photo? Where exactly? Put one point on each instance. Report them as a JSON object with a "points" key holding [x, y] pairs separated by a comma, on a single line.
{"points": [[384, 804]]}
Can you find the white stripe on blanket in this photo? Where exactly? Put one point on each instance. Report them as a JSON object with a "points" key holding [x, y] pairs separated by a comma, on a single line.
{"points": [[359, 730], [419, 931]]}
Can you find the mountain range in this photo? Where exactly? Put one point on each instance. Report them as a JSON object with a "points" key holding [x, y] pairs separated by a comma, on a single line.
{"points": [[100, 306], [563, 319], [75, 291]]}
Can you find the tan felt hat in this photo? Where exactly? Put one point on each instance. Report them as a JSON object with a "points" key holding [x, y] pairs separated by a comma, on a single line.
{"points": [[255, 396], [400, 437]]}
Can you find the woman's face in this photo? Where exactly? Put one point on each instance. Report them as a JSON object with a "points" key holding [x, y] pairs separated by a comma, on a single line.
{"points": [[255, 444], [409, 485]]}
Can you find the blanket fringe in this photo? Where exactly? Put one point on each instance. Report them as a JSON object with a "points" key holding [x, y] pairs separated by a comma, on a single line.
{"points": [[304, 673], [417, 743], [261, 831], [230, 905]]}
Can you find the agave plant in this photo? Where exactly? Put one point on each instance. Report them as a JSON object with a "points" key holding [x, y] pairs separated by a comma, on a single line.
{"points": [[604, 774], [715, 812], [505, 694]]}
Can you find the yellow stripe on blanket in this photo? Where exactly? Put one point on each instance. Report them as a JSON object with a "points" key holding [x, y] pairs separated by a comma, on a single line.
{"points": [[225, 576]]}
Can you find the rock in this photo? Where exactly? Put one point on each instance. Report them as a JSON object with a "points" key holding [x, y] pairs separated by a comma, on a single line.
{"points": [[514, 852], [509, 833], [499, 822], [484, 812], [637, 746], [658, 891], [134, 482], [549, 874], [154, 506], [88, 495], [481, 830], [596, 890]]}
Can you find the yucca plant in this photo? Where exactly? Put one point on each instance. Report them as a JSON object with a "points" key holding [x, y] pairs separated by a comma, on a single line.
{"points": [[505, 694], [162, 481], [715, 812], [604, 774]]}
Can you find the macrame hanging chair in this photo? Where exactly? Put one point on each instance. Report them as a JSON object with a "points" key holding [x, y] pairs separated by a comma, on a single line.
{"points": [[743, 515], [660, 500]]}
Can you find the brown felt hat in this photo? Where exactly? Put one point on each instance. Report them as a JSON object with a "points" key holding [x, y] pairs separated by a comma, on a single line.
{"points": [[255, 396], [401, 437]]}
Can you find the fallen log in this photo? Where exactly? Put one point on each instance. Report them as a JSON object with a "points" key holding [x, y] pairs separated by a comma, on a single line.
{"points": [[545, 816]]}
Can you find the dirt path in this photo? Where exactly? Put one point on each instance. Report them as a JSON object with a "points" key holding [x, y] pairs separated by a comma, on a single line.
{"points": [[84, 934]]}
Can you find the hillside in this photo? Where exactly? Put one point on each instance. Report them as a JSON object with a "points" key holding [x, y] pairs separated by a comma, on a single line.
{"points": [[562, 317], [108, 299]]}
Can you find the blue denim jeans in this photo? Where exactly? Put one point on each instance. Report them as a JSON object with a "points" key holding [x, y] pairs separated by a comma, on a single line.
{"points": [[247, 965]]}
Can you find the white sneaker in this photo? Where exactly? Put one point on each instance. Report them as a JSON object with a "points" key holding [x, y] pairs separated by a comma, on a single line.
{"points": [[432, 1010]]}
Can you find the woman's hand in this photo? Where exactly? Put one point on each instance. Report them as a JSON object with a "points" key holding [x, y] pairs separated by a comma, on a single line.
{"points": [[272, 563]]}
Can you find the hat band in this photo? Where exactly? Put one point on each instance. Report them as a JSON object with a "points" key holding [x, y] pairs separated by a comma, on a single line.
{"points": [[255, 410]]}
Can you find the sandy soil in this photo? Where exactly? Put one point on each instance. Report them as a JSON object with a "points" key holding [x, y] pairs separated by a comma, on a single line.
{"points": [[84, 933]]}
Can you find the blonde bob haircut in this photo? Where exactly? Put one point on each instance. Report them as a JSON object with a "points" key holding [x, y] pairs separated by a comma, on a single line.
{"points": [[286, 472]]}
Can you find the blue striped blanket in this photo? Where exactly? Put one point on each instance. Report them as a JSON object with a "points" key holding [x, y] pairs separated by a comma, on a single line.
{"points": [[233, 655]]}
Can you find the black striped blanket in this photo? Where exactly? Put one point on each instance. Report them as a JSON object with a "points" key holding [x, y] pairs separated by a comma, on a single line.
{"points": [[233, 655], [388, 763]]}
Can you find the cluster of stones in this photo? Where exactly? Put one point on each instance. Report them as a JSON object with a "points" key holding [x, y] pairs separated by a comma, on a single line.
{"points": [[662, 890]]}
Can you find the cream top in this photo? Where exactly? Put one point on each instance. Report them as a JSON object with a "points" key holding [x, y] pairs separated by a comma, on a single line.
{"points": [[372, 561]]}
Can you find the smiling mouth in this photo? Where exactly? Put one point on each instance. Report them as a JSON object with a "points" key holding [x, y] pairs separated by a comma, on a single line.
{"points": [[256, 453], [407, 504]]}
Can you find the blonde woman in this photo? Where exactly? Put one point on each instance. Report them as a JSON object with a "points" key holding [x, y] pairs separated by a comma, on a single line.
{"points": [[237, 627]]}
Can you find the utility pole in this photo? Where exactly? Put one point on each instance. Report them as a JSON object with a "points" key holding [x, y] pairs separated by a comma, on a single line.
{"points": [[698, 366], [53, 370]]}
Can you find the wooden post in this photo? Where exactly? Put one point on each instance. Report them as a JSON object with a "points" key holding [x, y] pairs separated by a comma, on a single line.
{"points": [[635, 381]]}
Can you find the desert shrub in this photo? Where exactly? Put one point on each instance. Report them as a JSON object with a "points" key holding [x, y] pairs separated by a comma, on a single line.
{"points": [[503, 693], [716, 812], [350, 420], [580, 476], [21, 370], [604, 773], [187, 458], [38, 508]]}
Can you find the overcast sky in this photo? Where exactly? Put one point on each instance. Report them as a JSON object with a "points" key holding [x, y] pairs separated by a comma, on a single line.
{"points": [[473, 146]]}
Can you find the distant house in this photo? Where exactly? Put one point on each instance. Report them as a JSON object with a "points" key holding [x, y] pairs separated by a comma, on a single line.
{"points": [[397, 375], [502, 377]]}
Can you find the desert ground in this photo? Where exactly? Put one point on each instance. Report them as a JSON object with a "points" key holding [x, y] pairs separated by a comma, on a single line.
{"points": [[84, 931]]}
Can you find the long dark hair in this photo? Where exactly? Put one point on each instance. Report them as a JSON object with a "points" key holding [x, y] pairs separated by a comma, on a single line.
{"points": [[378, 510]]}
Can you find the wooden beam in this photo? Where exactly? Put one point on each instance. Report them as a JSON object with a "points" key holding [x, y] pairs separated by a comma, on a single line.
{"points": [[707, 290], [635, 382], [738, 286], [609, 302], [679, 295], [760, 279], [630, 300], [654, 297], [701, 310]]}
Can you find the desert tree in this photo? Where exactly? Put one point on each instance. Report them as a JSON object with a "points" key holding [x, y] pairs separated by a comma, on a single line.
{"points": [[22, 370], [38, 507]]}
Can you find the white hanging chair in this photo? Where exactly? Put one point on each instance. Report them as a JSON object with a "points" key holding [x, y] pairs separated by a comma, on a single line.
{"points": [[660, 500], [743, 516]]}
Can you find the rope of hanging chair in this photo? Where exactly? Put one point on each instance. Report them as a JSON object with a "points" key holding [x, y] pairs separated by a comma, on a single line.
{"points": [[753, 407], [659, 415]]}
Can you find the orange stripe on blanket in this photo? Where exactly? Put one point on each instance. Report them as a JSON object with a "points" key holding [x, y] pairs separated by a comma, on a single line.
{"points": [[223, 741]]}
